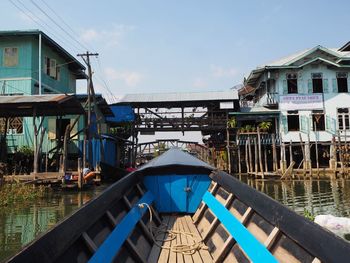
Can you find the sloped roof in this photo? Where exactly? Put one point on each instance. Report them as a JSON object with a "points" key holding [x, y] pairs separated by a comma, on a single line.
{"points": [[175, 158], [43, 105], [75, 64], [287, 62]]}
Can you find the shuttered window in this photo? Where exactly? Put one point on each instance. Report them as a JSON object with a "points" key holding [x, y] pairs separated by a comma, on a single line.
{"points": [[342, 81], [10, 56], [343, 118], [317, 83], [292, 83]]}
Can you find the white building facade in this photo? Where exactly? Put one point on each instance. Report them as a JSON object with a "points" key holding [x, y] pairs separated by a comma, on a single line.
{"points": [[310, 89]]}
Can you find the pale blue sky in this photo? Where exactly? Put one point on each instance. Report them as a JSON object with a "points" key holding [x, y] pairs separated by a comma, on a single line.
{"points": [[166, 46]]}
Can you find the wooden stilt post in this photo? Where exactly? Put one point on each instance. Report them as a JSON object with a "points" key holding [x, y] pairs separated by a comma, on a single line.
{"points": [[291, 155], [308, 155], [228, 148], [65, 149], [250, 155], [35, 165], [274, 153], [341, 155], [333, 158], [260, 158], [239, 159], [256, 166], [304, 154], [265, 159], [80, 174], [316, 150], [246, 156]]}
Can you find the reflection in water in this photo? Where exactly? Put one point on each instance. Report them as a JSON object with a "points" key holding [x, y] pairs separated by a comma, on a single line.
{"points": [[21, 223], [317, 196]]}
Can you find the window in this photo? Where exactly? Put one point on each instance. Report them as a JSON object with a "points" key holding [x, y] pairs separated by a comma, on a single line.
{"points": [[343, 119], [342, 81], [292, 83], [317, 86], [293, 120], [14, 125], [51, 68], [10, 56], [318, 122]]}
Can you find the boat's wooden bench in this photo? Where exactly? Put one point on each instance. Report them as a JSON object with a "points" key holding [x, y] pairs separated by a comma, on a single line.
{"points": [[181, 223]]}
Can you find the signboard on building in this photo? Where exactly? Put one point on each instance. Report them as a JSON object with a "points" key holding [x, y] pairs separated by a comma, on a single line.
{"points": [[301, 102], [227, 105]]}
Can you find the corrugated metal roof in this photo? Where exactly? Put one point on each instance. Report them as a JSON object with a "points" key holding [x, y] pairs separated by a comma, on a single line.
{"points": [[44, 105], [181, 96], [33, 98]]}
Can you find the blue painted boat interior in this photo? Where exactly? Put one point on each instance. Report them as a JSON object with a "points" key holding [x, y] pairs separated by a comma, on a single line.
{"points": [[177, 193]]}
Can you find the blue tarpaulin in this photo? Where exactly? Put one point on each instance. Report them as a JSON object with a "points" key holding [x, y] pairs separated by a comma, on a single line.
{"points": [[121, 113], [109, 148]]}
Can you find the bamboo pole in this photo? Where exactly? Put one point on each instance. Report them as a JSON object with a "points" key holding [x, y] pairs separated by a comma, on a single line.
{"points": [[246, 156], [274, 152], [260, 158], [316, 149], [265, 159], [341, 157], [239, 159], [250, 155], [256, 168], [304, 154]]}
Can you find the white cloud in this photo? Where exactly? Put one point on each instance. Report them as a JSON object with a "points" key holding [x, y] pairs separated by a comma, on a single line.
{"points": [[130, 78], [108, 37], [221, 72], [89, 35], [199, 83]]}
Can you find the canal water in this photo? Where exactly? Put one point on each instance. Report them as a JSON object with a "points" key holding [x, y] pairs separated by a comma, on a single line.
{"points": [[22, 223]]}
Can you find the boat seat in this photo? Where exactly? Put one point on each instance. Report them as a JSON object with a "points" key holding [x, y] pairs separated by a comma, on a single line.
{"points": [[182, 224]]}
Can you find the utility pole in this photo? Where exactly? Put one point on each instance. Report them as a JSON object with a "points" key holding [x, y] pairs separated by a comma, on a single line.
{"points": [[90, 91]]}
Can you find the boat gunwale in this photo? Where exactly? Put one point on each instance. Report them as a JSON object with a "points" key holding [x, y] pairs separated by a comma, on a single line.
{"points": [[40, 249], [319, 242]]}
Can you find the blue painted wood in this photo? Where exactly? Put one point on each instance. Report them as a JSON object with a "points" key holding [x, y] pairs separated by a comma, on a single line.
{"points": [[110, 247], [199, 184], [256, 251], [178, 195], [164, 194], [170, 194]]}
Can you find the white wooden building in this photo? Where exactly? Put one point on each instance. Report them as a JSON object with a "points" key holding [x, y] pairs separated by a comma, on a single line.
{"points": [[310, 89]]}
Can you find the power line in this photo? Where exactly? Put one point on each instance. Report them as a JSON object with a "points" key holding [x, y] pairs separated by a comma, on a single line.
{"points": [[62, 20], [53, 21], [36, 19]]}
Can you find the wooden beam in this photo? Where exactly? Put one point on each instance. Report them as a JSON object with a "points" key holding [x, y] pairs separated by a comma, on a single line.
{"points": [[216, 221], [271, 238], [154, 212], [200, 212], [89, 243], [230, 241], [144, 228]]}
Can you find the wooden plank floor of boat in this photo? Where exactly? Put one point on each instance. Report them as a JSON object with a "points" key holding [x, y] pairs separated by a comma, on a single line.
{"points": [[182, 223]]}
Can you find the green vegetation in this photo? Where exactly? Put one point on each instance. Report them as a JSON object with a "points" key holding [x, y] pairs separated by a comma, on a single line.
{"points": [[13, 193], [232, 123], [265, 125], [309, 215]]}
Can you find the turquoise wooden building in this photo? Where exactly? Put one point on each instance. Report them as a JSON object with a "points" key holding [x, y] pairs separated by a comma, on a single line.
{"points": [[31, 63]]}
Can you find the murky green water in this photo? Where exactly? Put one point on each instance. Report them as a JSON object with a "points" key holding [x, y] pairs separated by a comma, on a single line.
{"points": [[21, 223], [317, 196]]}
